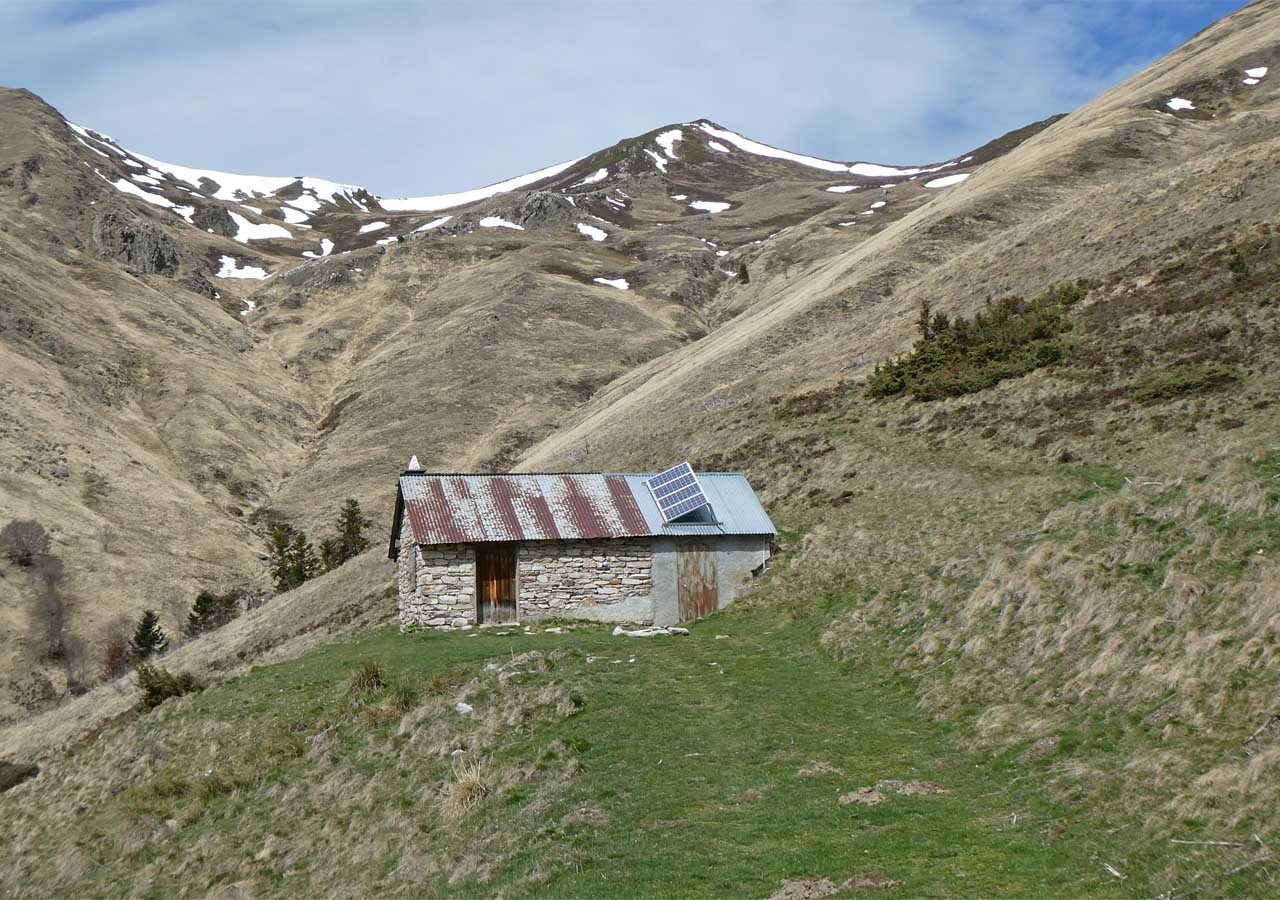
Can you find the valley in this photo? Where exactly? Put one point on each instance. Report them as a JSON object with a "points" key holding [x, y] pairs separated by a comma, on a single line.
{"points": [[1053, 594]]}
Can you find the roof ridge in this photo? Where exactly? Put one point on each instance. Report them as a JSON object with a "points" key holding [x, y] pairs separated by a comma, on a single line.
{"points": [[424, 473]]}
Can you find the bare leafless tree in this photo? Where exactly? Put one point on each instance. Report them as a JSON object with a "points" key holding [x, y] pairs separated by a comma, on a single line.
{"points": [[24, 541], [77, 661], [49, 614], [115, 647]]}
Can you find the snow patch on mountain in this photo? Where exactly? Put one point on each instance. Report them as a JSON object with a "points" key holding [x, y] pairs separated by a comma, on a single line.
{"points": [[306, 203], [946, 180], [658, 160], [619, 283], [445, 201], [667, 141], [711, 206], [596, 234], [294, 216], [750, 146], [1179, 103], [716, 145], [373, 226], [326, 247], [841, 188], [597, 175], [436, 223], [128, 187], [496, 222], [232, 269], [247, 231]]}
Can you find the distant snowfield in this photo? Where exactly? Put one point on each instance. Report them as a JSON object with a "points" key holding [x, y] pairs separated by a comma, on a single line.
{"points": [[251, 231], [711, 206], [495, 222], [231, 269], [444, 201], [294, 216], [1254, 75], [759, 149], [1177, 103], [596, 234], [716, 145], [946, 180], [619, 283], [867, 170], [841, 188], [373, 226]]}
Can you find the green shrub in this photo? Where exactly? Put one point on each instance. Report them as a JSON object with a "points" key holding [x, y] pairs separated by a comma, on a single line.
{"points": [[158, 685], [1179, 382], [1006, 339]]}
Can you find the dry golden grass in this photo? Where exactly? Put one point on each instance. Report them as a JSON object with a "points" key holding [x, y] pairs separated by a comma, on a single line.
{"points": [[468, 787]]}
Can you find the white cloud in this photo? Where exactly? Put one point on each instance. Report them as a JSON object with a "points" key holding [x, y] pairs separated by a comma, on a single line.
{"points": [[464, 95]]}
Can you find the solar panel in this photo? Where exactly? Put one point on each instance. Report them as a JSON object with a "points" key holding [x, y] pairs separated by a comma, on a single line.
{"points": [[677, 492]]}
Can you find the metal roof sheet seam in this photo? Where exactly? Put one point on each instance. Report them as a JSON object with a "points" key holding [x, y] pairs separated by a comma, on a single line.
{"points": [[520, 506]]}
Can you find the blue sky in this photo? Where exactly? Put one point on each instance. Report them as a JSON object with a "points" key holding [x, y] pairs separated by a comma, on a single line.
{"points": [[435, 96]]}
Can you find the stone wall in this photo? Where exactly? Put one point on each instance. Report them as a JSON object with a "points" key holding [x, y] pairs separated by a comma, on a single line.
{"points": [[605, 580], [583, 578], [437, 585]]}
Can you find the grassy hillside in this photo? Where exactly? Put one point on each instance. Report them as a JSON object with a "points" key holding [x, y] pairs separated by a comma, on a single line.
{"points": [[610, 766]]}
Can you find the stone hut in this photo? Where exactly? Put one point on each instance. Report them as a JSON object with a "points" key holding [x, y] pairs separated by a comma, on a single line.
{"points": [[611, 547]]}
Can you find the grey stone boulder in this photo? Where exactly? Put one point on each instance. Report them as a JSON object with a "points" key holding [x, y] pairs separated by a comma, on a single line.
{"points": [[215, 219], [140, 246]]}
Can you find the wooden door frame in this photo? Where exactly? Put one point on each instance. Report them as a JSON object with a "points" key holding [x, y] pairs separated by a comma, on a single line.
{"points": [[515, 578], [707, 550]]}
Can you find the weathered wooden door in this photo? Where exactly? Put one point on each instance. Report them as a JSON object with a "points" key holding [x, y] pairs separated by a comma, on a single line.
{"points": [[495, 583], [696, 590]]}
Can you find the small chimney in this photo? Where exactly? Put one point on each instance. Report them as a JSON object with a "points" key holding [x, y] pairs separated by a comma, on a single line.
{"points": [[414, 465]]}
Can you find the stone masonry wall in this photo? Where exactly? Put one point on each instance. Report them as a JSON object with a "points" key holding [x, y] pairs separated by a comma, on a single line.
{"points": [[445, 592], [567, 576]]}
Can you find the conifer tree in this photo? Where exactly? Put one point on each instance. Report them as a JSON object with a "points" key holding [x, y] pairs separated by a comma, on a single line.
{"points": [[211, 611], [330, 555], [303, 562], [149, 638], [351, 525], [202, 613]]}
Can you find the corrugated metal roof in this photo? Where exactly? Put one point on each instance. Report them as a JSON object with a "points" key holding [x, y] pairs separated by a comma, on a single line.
{"points": [[464, 509]]}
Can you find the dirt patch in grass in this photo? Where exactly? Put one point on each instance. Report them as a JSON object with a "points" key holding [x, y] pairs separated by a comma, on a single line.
{"points": [[817, 770], [868, 880], [862, 797], [805, 889], [910, 788]]}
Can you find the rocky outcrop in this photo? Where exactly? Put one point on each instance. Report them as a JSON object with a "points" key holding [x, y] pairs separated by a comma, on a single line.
{"points": [[144, 248], [541, 209], [215, 219]]}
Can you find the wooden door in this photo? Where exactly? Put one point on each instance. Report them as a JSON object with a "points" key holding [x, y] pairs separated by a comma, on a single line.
{"points": [[696, 590], [495, 583]]}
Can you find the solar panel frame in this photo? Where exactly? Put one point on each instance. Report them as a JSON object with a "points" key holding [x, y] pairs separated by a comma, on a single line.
{"points": [[677, 492]]}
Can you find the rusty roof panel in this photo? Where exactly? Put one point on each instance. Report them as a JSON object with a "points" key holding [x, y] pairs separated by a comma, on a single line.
{"points": [[464, 509]]}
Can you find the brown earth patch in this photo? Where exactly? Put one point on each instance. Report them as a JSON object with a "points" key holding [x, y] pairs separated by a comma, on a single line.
{"points": [[817, 770], [862, 796]]}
